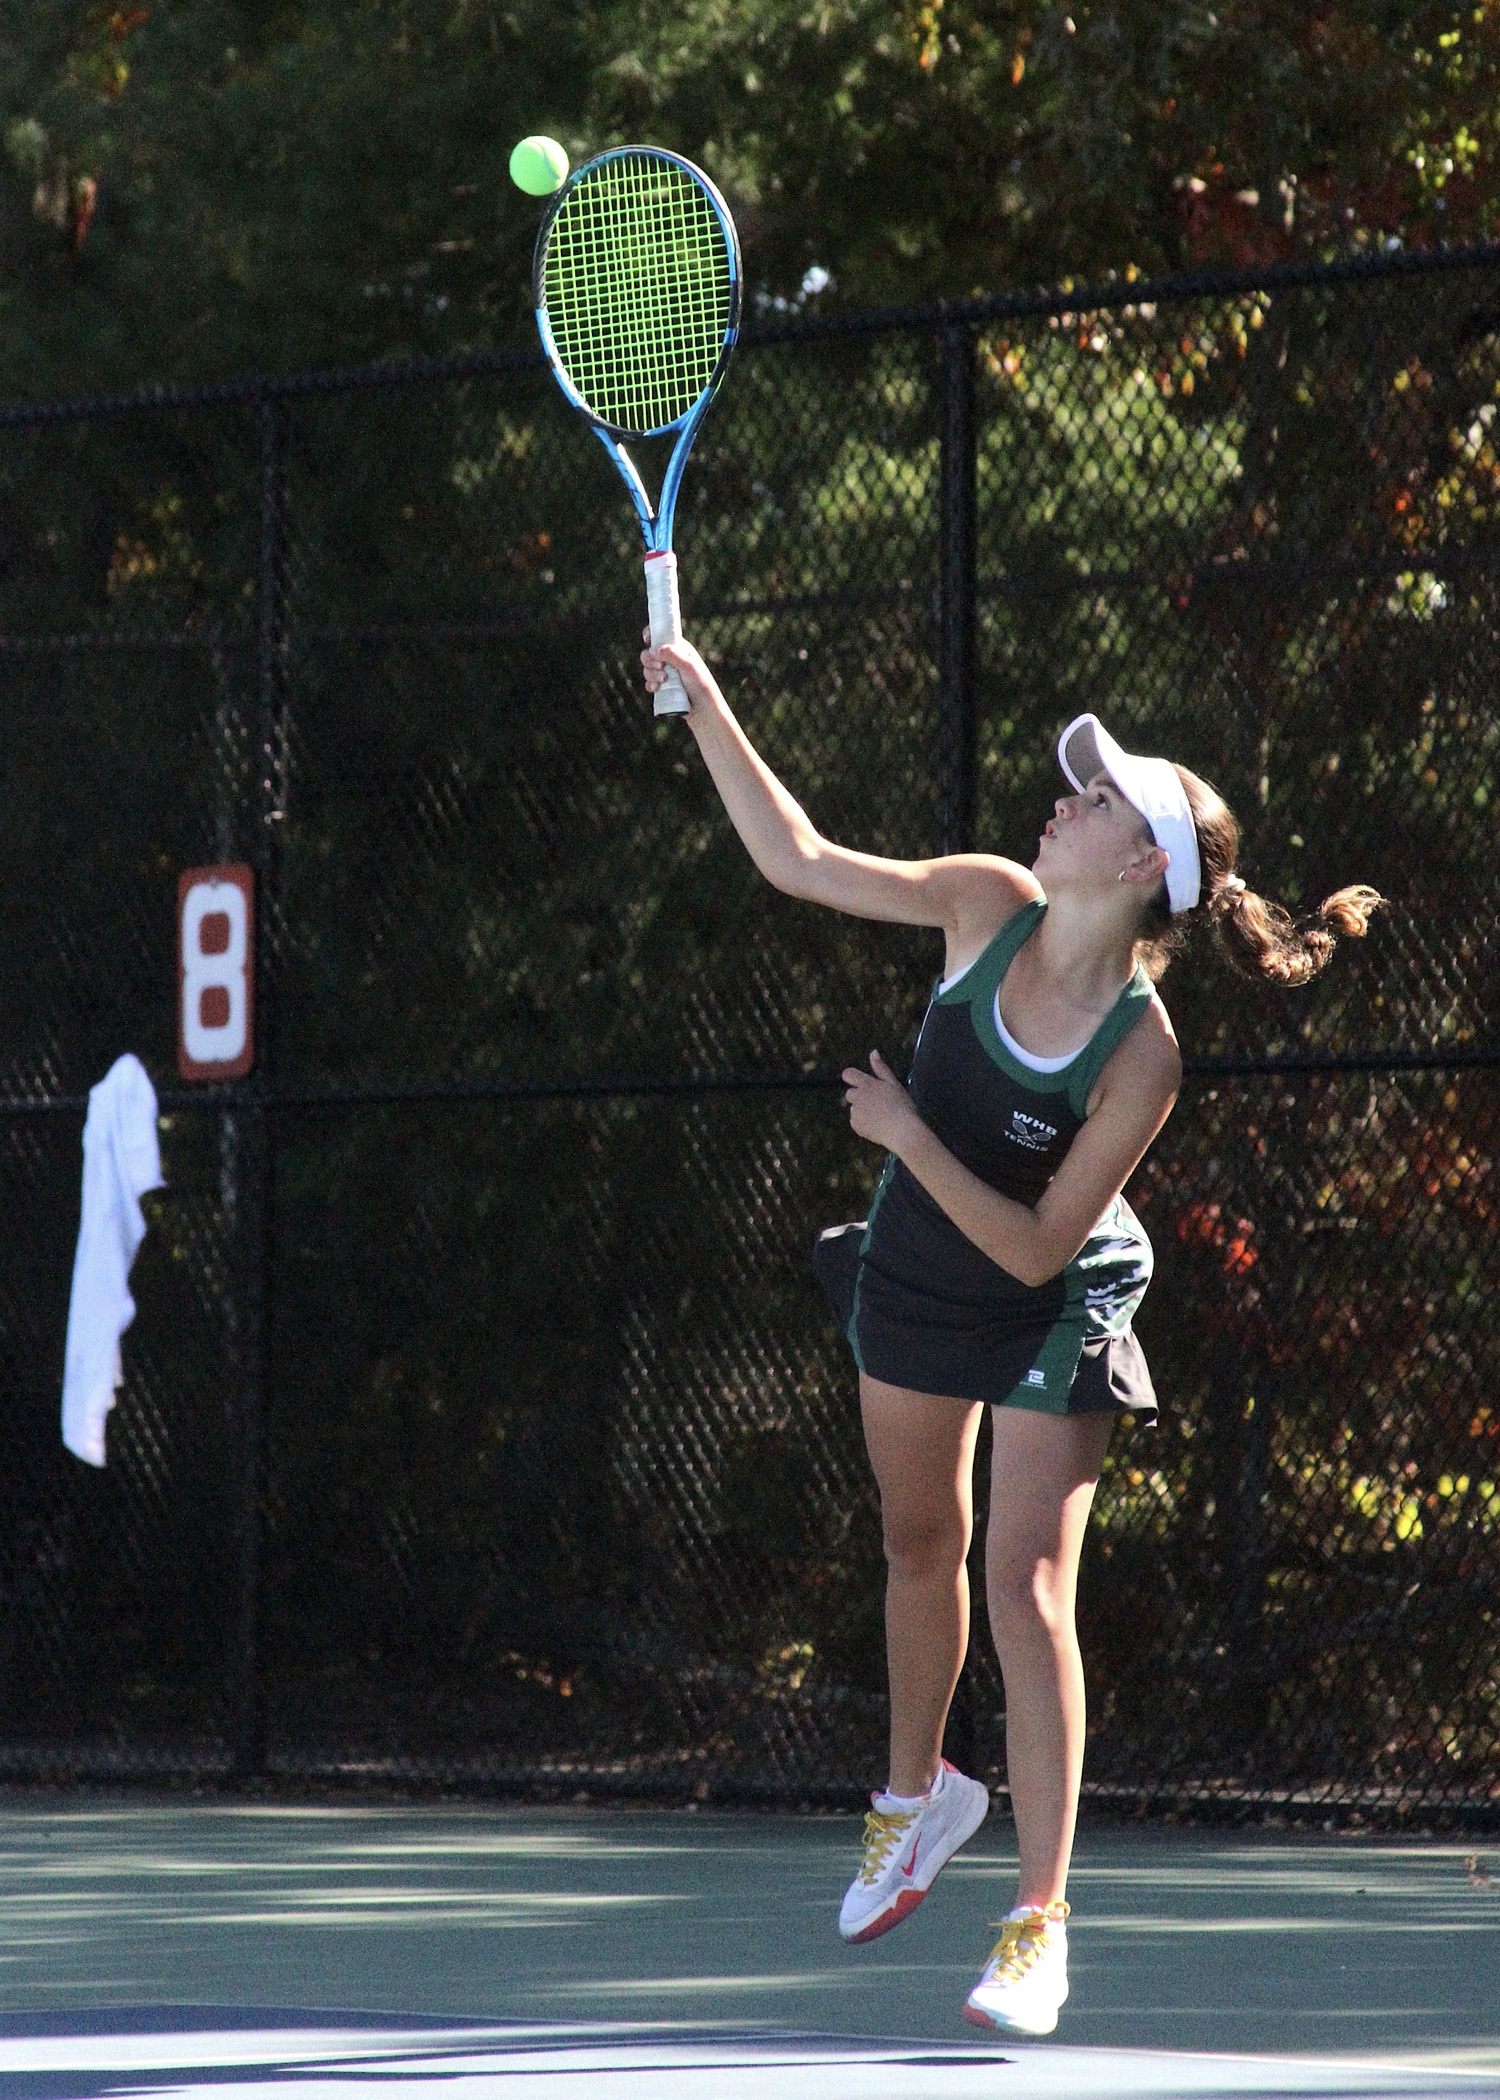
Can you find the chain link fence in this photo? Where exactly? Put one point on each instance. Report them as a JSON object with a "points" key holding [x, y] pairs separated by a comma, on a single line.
{"points": [[481, 1423]]}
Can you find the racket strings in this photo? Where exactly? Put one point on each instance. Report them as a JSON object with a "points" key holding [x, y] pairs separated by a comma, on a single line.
{"points": [[638, 261], [637, 282]]}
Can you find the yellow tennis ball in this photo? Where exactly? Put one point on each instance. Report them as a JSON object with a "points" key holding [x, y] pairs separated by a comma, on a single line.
{"points": [[538, 166]]}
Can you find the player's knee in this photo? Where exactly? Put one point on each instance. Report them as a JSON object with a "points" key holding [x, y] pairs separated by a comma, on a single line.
{"points": [[1026, 1594], [921, 1543]]}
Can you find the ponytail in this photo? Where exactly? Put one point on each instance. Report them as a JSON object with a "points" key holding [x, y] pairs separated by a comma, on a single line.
{"points": [[1260, 939], [1257, 938]]}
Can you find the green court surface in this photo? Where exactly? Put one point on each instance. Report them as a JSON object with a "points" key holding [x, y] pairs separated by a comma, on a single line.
{"points": [[1369, 1961]]}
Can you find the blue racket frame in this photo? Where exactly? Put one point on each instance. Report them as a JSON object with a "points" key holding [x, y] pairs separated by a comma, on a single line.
{"points": [[655, 523]]}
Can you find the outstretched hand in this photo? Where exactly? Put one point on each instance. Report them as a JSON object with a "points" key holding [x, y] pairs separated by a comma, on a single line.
{"points": [[698, 680], [880, 1108]]}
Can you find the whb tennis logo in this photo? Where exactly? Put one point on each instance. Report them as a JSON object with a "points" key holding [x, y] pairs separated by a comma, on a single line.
{"points": [[1030, 1131]]}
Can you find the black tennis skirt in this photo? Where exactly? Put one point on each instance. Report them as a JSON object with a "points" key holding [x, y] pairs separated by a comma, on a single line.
{"points": [[910, 1342]]}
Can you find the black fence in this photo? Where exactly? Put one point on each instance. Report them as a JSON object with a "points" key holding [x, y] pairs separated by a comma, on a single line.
{"points": [[481, 1423]]}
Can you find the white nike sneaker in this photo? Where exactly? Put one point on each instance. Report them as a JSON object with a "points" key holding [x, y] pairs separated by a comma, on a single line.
{"points": [[906, 1850], [1025, 1980]]}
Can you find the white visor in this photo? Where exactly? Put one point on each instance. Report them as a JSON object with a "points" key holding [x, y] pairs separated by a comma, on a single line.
{"points": [[1149, 785]]}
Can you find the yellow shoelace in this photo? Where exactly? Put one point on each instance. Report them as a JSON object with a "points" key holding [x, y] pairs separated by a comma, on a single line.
{"points": [[1022, 1940], [882, 1831]]}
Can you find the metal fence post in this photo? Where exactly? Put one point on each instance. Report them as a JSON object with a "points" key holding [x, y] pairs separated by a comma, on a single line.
{"points": [[957, 596], [259, 1159]]}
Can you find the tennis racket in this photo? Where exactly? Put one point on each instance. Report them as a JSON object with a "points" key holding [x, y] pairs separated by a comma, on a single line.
{"points": [[637, 291]]}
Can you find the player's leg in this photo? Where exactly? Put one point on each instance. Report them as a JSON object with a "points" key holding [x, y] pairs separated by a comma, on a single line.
{"points": [[922, 1451], [1045, 1471]]}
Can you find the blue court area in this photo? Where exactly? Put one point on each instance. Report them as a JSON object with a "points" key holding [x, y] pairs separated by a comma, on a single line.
{"points": [[183, 1947]]}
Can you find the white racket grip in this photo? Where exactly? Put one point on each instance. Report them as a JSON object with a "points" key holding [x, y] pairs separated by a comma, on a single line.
{"points": [[665, 615]]}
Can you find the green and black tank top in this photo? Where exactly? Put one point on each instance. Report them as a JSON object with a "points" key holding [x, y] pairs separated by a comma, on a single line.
{"points": [[931, 1311]]}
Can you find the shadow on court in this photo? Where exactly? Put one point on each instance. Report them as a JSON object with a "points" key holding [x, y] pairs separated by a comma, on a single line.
{"points": [[670, 1931]]}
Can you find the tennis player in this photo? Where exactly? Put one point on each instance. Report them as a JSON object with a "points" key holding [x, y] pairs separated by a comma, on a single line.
{"points": [[1000, 1264]]}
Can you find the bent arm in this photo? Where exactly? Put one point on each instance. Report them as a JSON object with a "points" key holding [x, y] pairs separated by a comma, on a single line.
{"points": [[794, 856], [1034, 1245]]}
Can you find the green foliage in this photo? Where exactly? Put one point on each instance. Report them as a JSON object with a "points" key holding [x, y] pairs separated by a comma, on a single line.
{"points": [[276, 186], [196, 188], [955, 145]]}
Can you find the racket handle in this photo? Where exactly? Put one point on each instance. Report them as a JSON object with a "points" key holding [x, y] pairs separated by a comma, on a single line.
{"points": [[665, 615]]}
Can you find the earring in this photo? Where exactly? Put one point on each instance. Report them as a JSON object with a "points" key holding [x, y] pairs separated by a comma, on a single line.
{"points": [[1121, 876]]}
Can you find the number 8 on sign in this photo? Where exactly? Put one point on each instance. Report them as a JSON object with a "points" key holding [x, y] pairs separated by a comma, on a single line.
{"points": [[215, 947]]}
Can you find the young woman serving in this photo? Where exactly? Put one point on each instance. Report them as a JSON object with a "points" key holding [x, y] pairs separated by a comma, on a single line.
{"points": [[1001, 1265]]}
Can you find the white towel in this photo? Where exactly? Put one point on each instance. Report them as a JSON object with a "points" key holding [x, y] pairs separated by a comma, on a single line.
{"points": [[121, 1160]]}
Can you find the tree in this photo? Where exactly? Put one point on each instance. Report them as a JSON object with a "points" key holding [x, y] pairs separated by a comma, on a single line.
{"points": [[203, 187], [207, 188], [956, 145]]}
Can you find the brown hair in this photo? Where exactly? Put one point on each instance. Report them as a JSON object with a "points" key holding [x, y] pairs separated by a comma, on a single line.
{"points": [[1257, 938]]}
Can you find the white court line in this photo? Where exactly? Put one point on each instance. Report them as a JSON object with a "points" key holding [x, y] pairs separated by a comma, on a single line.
{"points": [[328, 2062]]}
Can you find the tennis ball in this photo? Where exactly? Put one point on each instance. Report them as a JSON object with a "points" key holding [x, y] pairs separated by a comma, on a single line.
{"points": [[538, 166]]}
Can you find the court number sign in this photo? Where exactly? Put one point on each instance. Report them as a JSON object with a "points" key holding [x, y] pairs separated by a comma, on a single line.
{"points": [[216, 972]]}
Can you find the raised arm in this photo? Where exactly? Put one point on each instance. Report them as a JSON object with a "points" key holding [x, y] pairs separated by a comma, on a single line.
{"points": [[968, 895]]}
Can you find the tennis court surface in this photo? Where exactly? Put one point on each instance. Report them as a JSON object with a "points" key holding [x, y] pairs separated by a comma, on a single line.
{"points": [[188, 1946]]}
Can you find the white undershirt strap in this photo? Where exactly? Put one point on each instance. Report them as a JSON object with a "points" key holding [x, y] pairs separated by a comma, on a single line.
{"points": [[1029, 1058]]}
